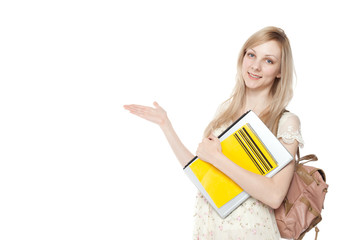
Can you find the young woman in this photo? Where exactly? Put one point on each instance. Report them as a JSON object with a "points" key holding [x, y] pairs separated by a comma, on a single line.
{"points": [[264, 84]]}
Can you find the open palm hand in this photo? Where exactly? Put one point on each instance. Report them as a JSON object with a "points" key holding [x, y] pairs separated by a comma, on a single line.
{"points": [[156, 115]]}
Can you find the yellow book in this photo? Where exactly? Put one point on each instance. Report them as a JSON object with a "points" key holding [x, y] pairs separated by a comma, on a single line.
{"points": [[249, 144]]}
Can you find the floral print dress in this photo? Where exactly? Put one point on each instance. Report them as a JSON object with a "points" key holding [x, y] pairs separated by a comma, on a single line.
{"points": [[252, 219]]}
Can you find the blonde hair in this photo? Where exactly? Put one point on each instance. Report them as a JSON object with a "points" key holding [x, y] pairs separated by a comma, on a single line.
{"points": [[281, 90]]}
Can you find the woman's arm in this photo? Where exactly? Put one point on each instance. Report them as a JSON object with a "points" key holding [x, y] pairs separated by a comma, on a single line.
{"points": [[158, 116], [270, 191]]}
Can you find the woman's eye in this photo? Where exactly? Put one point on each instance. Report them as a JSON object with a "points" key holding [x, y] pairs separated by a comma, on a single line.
{"points": [[269, 61], [251, 55]]}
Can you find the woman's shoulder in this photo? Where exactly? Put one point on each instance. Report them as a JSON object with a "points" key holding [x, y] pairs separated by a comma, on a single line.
{"points": [[289, 128], [289, 118]]}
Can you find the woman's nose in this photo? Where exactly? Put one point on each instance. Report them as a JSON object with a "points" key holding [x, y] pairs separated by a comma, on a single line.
{"points": [[256, 66]]}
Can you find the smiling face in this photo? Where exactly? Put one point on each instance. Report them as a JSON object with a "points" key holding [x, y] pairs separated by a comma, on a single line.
{"points": [[261, 65]]}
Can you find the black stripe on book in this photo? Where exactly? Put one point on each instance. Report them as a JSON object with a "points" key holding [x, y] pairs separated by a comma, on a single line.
{"points": [[248, 153], [251, 147], [192, 160], [262, 154], [233, 124]]}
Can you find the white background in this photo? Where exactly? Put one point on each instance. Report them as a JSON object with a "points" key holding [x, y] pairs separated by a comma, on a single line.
{"points": [[76, 165]]}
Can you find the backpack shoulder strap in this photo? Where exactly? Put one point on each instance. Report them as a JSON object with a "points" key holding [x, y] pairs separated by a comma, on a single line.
{"points": [[307, 158]]}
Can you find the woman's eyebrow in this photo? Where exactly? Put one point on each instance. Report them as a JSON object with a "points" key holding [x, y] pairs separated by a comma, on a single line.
{"points": [[269, 55]]}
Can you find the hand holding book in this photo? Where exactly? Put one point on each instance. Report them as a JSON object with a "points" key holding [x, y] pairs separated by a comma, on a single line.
{"points": [[209, 149]]}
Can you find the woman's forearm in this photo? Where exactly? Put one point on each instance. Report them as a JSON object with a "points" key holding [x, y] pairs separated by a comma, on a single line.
{"points": [[181, 152], [270, 191], [267, 190]]}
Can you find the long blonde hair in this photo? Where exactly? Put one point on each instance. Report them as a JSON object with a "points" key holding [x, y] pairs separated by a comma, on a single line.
{"points": [[281, 90]]}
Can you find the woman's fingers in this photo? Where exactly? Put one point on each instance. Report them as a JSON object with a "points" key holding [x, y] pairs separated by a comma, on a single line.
{"points": [[156, 115], [135, 107], [158, 107], [156, 104], [212, 137], [138, 109]]}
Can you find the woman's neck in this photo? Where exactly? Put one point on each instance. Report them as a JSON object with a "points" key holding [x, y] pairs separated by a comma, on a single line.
{"points": [[256, 101]]}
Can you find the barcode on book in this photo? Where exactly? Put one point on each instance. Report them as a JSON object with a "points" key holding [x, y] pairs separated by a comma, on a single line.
{"points": [[255, 149]]}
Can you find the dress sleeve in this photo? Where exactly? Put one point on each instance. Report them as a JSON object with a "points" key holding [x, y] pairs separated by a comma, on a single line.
{"points": [[290, 129]]}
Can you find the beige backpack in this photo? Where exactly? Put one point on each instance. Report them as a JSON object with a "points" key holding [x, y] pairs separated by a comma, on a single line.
{"points": [[301, 209]]}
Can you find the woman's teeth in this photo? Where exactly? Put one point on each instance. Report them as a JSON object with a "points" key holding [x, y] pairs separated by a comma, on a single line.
{"points": [[254, 76]]}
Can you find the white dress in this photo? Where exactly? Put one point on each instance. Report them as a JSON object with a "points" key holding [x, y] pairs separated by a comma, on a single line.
{"points": [[252, 219]]}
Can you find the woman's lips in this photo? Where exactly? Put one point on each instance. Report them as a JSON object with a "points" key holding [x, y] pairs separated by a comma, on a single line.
{"points": [[254, 76]]}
